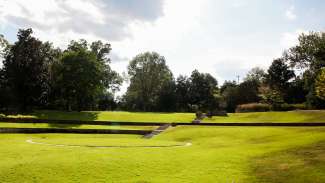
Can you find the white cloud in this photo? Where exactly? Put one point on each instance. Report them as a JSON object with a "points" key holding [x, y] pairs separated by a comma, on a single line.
{"points": [[224, 38], [290, 14], [238, 3], [290, 39], [106, 19]]}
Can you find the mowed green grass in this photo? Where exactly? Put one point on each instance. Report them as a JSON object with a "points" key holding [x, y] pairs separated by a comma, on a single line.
{"points": [[285, 117], [290, 116], [111, 116], [68, 126], [217, 154]]}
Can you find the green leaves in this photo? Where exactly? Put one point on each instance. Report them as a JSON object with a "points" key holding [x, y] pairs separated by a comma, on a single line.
{"points": [[320, 84]]}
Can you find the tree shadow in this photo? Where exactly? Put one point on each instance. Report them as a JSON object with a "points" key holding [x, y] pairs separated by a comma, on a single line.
{"points": [[303, 164], [73, 116], [60, 115]]}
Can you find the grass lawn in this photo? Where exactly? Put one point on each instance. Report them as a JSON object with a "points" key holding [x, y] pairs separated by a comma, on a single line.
{"points": [[217, 154], [290, 116], [112, 116], [45, 125]]}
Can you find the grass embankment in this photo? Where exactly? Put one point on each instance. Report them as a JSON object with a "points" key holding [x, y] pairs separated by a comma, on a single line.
{"points": [[285, 117], [68, 126], [218, 154], [111, 116], [290, 116]]}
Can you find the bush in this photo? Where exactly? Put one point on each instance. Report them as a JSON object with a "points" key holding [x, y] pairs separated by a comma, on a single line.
{"points": [[209, 114], [253, 107], [290, 107]]}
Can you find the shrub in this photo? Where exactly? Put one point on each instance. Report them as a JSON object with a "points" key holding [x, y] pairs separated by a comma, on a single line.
{"points": [[209, 114], [290, 107], [253, 107]]}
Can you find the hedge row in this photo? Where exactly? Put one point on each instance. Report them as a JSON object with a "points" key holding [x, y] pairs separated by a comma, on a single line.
{"points": [[259, 107]]}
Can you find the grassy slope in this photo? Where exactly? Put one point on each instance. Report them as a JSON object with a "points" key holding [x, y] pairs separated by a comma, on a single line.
{"points": [[114, 116], [218, 154], [45, 125], [291, 116]]}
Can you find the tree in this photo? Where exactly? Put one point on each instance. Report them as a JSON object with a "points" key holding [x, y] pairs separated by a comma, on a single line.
{"points": [[4, 47], [182, 93], [278, 75], [320, 85], [248, 91], [230, 95], [243, 93], [309, 56], [167, 97], [256, 74], [82, 77], [26, 69], [203, 91], [149, 75], [296, 93]]}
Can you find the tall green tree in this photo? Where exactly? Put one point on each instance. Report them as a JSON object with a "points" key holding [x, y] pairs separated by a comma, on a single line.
{"points": [[203, 90], [230, 95], [248, 91], [278, 75], [4, 47], [26, 69], [256, 74], [182, 93], [82, 76], [309, 56], [149, 75], [320, 84], [309, 53]]}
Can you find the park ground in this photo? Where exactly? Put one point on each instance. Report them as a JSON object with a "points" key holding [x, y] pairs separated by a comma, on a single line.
{"points": [[217, 154]]}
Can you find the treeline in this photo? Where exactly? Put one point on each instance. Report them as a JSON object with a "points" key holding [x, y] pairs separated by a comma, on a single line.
{"points": [[35, 75]]}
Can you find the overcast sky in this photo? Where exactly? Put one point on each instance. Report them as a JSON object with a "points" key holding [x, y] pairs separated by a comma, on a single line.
{"points": [[223, 37]]}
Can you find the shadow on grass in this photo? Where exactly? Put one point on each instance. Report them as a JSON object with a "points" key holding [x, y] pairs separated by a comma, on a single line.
{"points": [[305, 164], [58, 125], [59, 115]]}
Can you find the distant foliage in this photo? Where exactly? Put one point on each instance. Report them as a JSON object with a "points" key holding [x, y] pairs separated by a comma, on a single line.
{"points": [[37, 75], [278, 75], [320, 85], [82, 76], [26, 70], [151, 83], [253, 107], [309, 55], [260, 107]]}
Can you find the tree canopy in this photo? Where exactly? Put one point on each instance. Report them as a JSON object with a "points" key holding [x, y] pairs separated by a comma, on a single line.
{"points": [[320, 84], [149, 75], [37, 75], [26, 69]]}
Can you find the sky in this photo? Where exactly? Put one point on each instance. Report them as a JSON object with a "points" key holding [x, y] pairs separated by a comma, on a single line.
{"points": [[225, 38]]}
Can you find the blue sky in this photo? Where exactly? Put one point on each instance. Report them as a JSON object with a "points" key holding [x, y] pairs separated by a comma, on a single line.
{"points": [[224, 38]]}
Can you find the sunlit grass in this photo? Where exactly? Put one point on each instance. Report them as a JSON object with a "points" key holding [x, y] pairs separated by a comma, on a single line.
{"points": [[290, 116], [218, 154], [111, 116]]}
